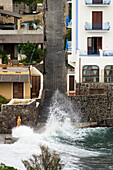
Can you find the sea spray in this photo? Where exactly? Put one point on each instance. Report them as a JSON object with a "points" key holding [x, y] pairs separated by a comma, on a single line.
{"points": [[78, 148]]}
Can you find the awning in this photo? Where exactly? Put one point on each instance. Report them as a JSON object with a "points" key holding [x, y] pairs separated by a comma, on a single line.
{"points": [[9, 13]]}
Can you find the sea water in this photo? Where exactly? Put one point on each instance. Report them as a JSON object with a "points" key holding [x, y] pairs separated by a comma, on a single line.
{"points": [[79, 149]]}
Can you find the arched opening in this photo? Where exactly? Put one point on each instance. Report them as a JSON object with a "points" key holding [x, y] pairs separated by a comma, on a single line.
{"points": [[108, 74], [90, 73]]}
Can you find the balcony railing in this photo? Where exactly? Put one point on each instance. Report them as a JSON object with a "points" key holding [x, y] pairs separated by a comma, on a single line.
{"points": [[69, 21], [89, 53], [96, 53], [107, 52], [68, 45], [97, 26], [97, 2]]}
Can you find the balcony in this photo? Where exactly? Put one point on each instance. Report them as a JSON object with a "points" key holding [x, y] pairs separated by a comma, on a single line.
{"points": [[97, 26], [68, 21], [97, 2], [107, 53], [68, 46], [96, 53]]}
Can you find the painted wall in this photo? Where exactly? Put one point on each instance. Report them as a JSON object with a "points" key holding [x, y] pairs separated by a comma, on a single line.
{"points": [[27, 93], [85, 15], [6, 90]]}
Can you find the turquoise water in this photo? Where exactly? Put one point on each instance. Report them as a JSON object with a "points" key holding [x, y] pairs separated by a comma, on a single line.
{"points": [[80, 149]]}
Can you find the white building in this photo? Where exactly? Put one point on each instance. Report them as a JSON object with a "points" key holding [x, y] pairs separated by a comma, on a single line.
{"points": [[92, 43]]}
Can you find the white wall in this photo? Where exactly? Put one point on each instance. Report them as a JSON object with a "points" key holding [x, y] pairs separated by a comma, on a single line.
{"points": [[37, 72], [101, 62], [85, 15]]}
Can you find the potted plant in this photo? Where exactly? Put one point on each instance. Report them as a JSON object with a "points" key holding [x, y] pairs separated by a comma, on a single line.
{"points": [[30, 25], [22, 26]]}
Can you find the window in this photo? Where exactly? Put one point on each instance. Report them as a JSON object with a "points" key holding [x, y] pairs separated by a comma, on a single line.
{"points": [[1, 7], [90, 73], [108, 74]]}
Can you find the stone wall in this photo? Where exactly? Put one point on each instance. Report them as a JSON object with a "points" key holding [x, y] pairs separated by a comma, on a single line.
{"points": [[7, 4], [85, 88], [99, 107], [8, 117]]}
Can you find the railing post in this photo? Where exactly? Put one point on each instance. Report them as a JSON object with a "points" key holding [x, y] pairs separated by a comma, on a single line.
{"points": [[101, 52]]}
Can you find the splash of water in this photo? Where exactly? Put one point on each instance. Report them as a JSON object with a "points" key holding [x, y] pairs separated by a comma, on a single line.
{"points": [[59, 135]]}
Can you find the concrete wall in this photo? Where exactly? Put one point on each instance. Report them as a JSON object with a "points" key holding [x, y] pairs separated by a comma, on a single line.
{"points": [[16, 38]]}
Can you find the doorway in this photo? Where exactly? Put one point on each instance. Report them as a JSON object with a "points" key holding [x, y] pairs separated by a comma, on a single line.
{"points": [[71, 83], [18, 90], [9, 49], [94, 44], [35, 86], [97, 20]]}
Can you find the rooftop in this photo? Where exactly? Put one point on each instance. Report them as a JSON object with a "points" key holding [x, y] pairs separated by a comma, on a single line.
{"points": [[14, 74], [9, 13]]}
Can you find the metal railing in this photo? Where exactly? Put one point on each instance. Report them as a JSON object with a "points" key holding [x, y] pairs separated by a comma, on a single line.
{"points": [[68, 21], [107, 52], [96, 53], [97, 2], [97, 26], [68, 45], [89, 52]]}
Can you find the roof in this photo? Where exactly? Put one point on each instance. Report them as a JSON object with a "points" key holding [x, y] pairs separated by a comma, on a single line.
{"points": [[13, 14], [14, 74], [13, 78]]}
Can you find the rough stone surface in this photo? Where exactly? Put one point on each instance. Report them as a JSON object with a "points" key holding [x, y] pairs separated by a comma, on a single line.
{"points": [[55, 77], [99, 107], [9, 114]]}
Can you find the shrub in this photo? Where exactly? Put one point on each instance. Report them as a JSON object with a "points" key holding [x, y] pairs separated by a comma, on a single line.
{"points": [[3, 100], [46, 160], [4, 167], [4, 57]]}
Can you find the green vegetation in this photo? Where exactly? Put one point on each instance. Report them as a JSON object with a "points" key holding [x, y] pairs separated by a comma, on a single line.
{"points": [[32, 54], [3, 100], [4, 57], [28, 2], [70, 10], [4, 167], [46, 160]]}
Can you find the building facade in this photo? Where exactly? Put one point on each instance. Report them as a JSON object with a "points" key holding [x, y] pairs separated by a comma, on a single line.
{"points": [[13, 31], [90, 51]]}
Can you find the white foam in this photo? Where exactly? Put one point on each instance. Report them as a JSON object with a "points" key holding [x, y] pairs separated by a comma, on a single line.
{"points": [[59, 135]]}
